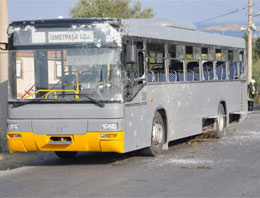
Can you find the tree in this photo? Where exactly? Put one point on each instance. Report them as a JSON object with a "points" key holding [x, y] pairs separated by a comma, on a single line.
{"points": [[255, 48], [110, 8]]}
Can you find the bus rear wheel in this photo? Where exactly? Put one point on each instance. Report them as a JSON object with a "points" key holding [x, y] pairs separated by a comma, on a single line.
{"points": [[221, 121], [66, 154], [157, 136]]}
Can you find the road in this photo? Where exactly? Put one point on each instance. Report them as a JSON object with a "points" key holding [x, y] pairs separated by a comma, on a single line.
{"points": [[227, 167]]}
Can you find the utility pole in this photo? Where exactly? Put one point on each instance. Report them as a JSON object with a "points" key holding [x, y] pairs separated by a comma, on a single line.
{"points": [[3, 74], [250, 32]]}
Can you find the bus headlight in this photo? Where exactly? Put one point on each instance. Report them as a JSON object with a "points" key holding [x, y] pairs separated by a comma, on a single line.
{"points": [[109, 126], [13, 127]]}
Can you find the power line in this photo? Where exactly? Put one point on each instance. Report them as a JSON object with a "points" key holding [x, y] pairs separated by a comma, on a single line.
{"points": [[226, 14]]}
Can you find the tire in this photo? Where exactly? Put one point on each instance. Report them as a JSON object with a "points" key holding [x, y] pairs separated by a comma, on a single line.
{"points": [[221, 121], [66, 154], [157, 136]]}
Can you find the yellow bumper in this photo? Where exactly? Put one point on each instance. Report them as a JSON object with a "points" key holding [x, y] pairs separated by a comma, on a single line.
{"points": [[91, 141]]}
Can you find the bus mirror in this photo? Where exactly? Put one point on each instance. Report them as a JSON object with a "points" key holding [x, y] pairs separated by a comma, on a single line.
{"points": [[130, 54], [3, 46]]}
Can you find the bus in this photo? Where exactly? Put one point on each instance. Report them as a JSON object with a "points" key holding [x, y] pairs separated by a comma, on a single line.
{"points": [[120, 85]]}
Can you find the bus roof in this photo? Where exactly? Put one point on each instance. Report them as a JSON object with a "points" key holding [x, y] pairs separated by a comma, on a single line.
{"points": [[149, 28], [69, 21], [177, 31]]}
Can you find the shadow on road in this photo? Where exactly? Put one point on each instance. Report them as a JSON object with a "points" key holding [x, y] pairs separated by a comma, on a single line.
{"points": [[16, 160]]}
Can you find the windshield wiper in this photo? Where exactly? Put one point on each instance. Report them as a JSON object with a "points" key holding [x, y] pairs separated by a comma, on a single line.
{"points": [[21, 103], [98, 103]]}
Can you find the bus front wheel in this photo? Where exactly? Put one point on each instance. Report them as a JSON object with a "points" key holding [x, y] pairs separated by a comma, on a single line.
{"points": [[66, 154], [157, 136]]}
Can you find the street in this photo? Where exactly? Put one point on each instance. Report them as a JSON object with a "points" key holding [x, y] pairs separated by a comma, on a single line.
{"points": [[226, 167]]}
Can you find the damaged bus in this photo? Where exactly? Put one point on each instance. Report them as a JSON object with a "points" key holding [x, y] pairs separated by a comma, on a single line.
{"points": [[114, 85]]}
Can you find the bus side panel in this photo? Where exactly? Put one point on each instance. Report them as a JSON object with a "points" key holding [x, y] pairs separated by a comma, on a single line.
{"points": [[183, 114], [137, 122], [186, 104]]}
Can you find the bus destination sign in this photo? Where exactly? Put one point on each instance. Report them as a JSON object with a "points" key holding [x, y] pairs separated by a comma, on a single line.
{"points": [[63, 37]]}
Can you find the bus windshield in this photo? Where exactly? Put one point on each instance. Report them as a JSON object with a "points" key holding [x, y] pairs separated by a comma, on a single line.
{"points": [[66, 74], [65, 63]]}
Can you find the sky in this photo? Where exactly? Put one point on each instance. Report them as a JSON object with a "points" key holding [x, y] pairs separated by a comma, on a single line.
{"points": [[185, 10]]}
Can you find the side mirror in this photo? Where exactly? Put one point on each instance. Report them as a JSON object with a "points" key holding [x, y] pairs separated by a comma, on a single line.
{"points": [[5, 46], [130, 54]]}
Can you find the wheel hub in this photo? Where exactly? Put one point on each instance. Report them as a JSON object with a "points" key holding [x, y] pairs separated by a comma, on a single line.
{"points": [[157, 133]]}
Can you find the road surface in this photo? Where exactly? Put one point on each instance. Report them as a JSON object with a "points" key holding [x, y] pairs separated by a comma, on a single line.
{"points": [[226, 167]]}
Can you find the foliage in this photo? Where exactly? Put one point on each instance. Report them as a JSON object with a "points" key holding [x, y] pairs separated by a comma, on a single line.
{"points": [[255, 50], [110, 8]]}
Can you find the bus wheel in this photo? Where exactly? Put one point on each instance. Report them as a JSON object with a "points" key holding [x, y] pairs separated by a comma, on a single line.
{"points": [[221, 121], [66, 154], [157, 136]]}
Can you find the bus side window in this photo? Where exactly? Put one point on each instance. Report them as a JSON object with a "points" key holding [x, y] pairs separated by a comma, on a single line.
{"points": [[204, 53], [219, 55], [140, 64], [156, 69], [189, 52], [208, 73], [193, 71], [176, 71], [232, 70], [241, 62], [221, 70], [131, 70]]}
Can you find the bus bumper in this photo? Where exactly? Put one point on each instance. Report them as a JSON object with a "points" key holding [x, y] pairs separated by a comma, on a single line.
{"points": [[91, 141]]}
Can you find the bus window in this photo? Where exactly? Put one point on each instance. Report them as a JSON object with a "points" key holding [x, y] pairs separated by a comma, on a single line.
{"points": [[233, 72], [241, 68], [211, 54], [156, 67], [204, 53], [156, 71], [189, 52], [196, 53], [241, 60], [208, 73], [132, 71], [230, 55], [236, 59], [140, 58], [180, 52], [218, 55], [221, 70], [193, 71], [171, 51], [156, 50], [176, 70], [140, 64]]}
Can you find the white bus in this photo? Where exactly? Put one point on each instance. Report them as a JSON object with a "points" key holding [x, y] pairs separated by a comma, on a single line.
{"points": [[112, 85]]}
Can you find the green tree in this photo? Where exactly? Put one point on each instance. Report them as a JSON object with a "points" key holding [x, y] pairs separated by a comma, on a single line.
{"points": [[255, 48], [110, 8]]}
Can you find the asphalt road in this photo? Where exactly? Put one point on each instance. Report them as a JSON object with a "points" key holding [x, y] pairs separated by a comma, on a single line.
{"points": [[228, 167]]}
